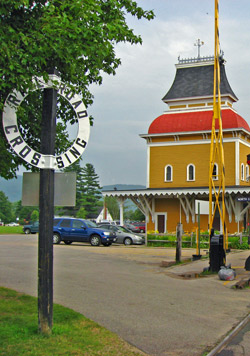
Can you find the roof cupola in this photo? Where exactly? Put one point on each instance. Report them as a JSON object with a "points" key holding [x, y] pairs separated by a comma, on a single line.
{"points": [[193, 84]]}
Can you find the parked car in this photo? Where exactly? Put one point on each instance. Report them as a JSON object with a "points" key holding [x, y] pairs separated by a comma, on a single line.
{"points": [[141, 226], [125, 236], [31, 228], [71, 230], [132, 227], [12, 224]]}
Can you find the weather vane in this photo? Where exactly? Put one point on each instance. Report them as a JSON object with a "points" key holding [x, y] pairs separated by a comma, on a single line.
{"points": [[199, 43]]}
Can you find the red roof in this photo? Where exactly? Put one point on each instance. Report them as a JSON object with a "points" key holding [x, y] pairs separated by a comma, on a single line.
{"points": [[195, 121]]}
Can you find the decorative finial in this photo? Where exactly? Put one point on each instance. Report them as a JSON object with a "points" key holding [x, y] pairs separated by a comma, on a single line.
{"points": [[199, 43]]}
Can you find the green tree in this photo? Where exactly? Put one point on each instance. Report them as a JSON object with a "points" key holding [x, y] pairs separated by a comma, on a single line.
{"points": [[24, 212], [76, 37], [113, 207], [135, 215], [88, 192], [6, 213], [90, 198], [34, 215], [81, 213]]}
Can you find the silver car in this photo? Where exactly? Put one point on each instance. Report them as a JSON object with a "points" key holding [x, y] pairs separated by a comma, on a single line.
{"points": [[123, 235]]}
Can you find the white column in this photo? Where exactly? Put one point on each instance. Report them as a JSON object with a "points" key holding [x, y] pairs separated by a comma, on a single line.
{"points": [[237, 163], [121, 204]]}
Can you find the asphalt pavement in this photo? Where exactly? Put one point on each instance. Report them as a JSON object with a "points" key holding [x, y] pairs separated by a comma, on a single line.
{"points": [[237, 343], [163, 311]]}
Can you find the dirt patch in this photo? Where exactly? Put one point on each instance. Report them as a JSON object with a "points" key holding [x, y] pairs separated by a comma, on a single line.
{"points": [[242, 284], [167, 264]]}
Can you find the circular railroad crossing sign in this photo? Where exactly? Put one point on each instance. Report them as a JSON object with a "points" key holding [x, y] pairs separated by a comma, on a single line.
{"points": [[19, 145]]}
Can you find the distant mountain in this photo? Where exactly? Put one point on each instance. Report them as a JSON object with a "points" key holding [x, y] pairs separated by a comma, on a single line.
{"points": [[123, 187], [13, 188]]}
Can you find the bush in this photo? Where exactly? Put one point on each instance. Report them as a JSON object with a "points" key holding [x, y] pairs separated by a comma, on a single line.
{"points": [[170, 241]]}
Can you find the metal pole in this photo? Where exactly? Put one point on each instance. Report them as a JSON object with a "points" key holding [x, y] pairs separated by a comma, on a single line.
{"points": [[199, 229], [178, 242], [46, 215]]}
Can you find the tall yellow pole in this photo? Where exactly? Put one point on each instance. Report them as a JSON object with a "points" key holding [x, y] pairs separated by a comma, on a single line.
{"points": [[217, 178]]}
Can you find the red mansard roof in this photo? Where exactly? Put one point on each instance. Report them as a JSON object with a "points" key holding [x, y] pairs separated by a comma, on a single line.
{"points": [[195, 121]]}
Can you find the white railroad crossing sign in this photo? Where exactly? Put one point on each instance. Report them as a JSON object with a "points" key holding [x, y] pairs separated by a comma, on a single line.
{"points": [[31, 156]]}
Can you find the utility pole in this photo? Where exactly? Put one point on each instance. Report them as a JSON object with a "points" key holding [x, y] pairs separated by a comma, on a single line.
{"points": [[46, 215]]}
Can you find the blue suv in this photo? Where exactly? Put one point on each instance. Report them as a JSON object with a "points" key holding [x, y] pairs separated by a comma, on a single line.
{"points": [[71, 230]]}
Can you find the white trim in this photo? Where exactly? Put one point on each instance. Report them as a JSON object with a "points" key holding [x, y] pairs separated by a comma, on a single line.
{"points": [[148, 166], [165, 173], [188, 166], [196, 142], [202, 63], [173, 192], [242, 171], [165, 222], [185, 133], [237, 151], [247, 171]]}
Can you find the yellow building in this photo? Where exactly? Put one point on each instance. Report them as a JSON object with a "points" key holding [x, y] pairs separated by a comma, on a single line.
{"points": [[178, 147]]}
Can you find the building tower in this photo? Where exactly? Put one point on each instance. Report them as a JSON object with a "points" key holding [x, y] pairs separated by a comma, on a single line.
{"points": [[178, 150]]}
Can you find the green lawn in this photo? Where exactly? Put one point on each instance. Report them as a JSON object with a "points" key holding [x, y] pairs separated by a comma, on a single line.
{"points": [[72, 334], [4, 230]]}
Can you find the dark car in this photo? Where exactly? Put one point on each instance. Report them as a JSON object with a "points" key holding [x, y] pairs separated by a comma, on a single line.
{"points": [[31, 228], [125, 236], [71, 230]]}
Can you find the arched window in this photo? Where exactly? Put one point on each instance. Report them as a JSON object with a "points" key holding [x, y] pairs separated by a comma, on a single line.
{"points": [[168, 173], [247, 172], [242, 171], [215, 172], [190, 172]]}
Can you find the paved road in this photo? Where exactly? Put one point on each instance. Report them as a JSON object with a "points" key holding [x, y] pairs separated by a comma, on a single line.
{"points": [[125, 290], [239, 344]]}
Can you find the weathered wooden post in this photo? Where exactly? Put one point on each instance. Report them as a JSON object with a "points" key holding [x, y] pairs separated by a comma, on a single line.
{"points": [[178, 242], [46, 215], [47, 162]]}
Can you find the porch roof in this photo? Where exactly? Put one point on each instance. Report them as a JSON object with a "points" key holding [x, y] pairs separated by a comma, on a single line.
{"points": [[175, 192]]}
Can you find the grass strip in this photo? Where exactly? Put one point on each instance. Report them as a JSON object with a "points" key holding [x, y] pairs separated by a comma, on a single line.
{"points": [[7, 230], [72, 333]]}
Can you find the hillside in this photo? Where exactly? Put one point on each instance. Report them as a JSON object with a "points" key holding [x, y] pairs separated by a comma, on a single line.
{"points": [[123, 187], [13, 188]]}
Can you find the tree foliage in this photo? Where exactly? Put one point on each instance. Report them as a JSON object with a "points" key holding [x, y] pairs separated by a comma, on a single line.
{"points": [[113, 207], [6, 213], [25, 213], [90, 198], [134, 215], [77, 37], [88, 192], [34, 216]]}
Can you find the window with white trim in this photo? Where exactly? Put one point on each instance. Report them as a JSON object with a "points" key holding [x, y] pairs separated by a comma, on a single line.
{"points": [[168, 173], [247, 172], [242, 171], [190, 172], [215, 172]]}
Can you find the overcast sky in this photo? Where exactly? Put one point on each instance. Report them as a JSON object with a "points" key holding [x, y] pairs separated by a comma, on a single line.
{"points": [[126, 104]]}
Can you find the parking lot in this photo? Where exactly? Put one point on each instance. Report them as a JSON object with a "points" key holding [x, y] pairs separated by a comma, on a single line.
{"points": [[125, 289]]}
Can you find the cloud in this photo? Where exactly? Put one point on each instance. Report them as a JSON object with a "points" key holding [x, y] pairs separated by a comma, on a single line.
{"points": [[126, 104]]}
